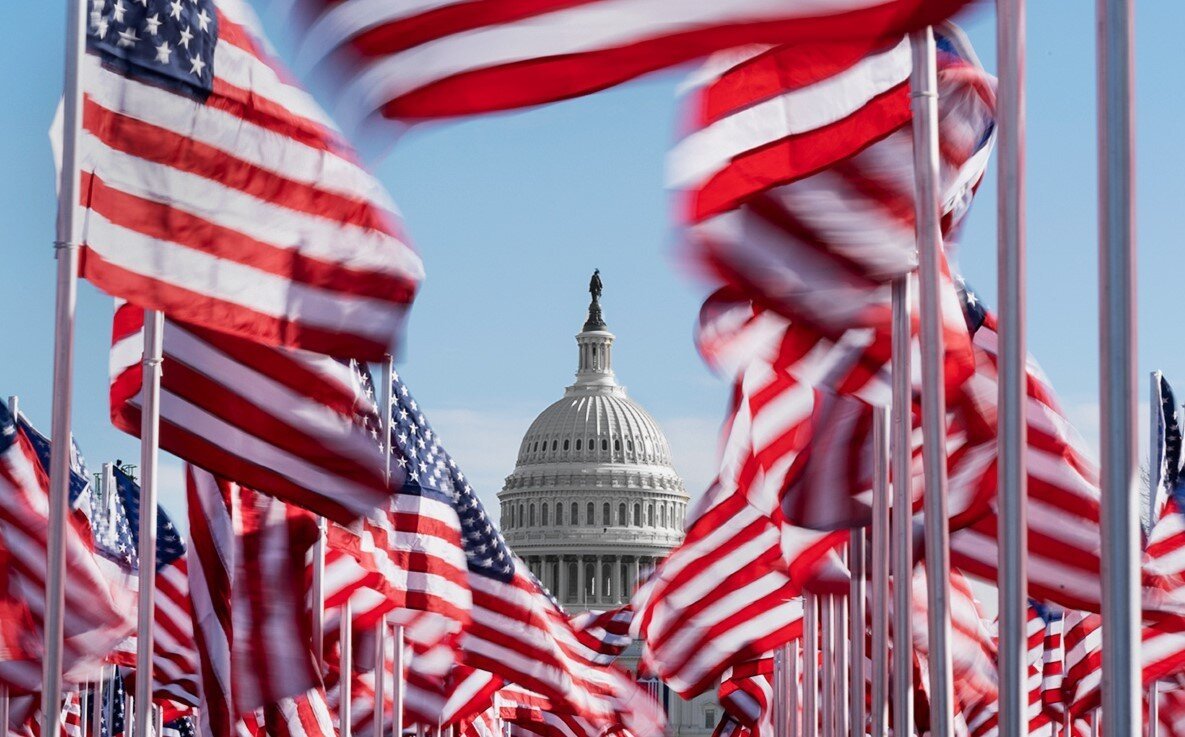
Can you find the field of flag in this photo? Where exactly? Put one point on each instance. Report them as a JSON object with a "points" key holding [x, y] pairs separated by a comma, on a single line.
{"points": [[341, 575]]}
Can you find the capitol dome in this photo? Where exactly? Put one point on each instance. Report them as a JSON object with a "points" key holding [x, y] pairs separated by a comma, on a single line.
{"points": [[593, 501]]}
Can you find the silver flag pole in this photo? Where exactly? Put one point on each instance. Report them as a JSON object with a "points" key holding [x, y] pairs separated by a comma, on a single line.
{"points": [[780, 694], [1155, 479], [827, 660], [924, 94], [380, 645], [1117, 381], [1013, 542], [810, 665], [879, 542], [901, 441], [66, 238], [154, 323], [792, 676], [856, 618], [346, 669], [839, 648]]}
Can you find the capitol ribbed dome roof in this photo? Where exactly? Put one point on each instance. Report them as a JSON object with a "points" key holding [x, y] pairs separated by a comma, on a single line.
{"points": [[600, 426]]}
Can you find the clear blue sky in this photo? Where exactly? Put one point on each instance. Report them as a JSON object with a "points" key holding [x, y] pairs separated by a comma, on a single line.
{"points": [[512, 213]]}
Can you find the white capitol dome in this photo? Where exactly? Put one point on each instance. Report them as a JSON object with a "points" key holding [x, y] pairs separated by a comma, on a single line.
{"points": [[593, 501]]}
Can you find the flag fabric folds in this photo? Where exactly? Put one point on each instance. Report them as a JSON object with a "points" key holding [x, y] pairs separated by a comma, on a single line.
{"points": [[287, 423], [217, 191], [97, 615], [117, 538], [456, 58]]}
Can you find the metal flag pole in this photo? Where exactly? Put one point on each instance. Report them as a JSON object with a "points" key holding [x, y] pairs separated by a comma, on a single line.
{"points": [[792, 678], [879, 542], [14, 409], [82, 711], [97, 705], [66, 298], [158, 720], [827, 659], [1117, 380], [1154, 481], [317, 596], [380, 664], [397, 669], [346, 668], [149, 444], [839, 648], [924, 85], [810, 665], [780, 692], [901, 442], [857, 612], [1013, 542]]}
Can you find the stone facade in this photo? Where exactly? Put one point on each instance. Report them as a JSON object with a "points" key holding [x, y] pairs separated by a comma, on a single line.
{"points": [[594, 503]]}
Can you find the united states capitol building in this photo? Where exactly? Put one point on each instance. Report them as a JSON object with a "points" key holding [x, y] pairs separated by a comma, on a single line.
{"points": [[594, 501]]}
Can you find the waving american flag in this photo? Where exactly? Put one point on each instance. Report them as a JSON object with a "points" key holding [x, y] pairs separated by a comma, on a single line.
{"points": [[217, 191]]}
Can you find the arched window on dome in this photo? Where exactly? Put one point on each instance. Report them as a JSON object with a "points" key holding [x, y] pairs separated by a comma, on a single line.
{"points": [[588, 516], [565, 444], [577, 443], [605, 517], [604, 444], [521, 517], [532, 517], [621, 515], [544, 515], [509, 514], [535, 448], [662, 516], [637, 515], [559, 514], [573, 517], [650, 515], [629, 444], [617, 445]]}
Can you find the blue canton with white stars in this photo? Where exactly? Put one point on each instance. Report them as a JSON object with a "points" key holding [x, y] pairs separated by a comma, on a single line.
{"points": [[112, 722], [428, 469], [169, 43], [117, 528], [974, 310], [79, 476]]}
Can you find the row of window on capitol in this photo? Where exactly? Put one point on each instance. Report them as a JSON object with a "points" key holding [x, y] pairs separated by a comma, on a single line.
{"points": [[524, 514], [645, 443]]}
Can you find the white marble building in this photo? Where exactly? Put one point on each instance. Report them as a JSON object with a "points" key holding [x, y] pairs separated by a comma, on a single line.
{"points": [[594, 502]]}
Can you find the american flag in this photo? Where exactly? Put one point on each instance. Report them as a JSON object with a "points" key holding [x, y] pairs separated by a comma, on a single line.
{"points": [[117, 538], [285, 422], [747, 694], [1167, 443], [799, 169], [1164, 556], [455, 58], [1053, 664], [80, 476], [303, 715], [211, 571], [96, 615], [271, 657], [726, 594], [182, 727], [217, 192], [407, 555]]}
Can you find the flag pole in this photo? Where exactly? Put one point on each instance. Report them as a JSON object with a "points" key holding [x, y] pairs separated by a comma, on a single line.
{"points": [[827, 659], [66, 297], [380, 664], [839, 648], [149, 444], [924, 85], [810, 665], [345, 668], [97, 704], [397, 669], [1154, 481], [1117, 349], [1013, 543], [879, 541], [900, 448], [317, 596], [792, 694], [780, 692], [14, 409], [856, 621]]}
